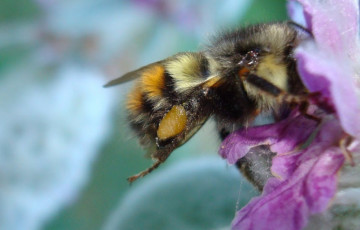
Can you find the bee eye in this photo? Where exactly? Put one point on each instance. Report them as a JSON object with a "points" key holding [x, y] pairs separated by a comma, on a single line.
{"points": [[249, 60]]}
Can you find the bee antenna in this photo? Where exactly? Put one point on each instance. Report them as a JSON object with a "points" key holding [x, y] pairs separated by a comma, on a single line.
{"points": [[300, 27]]}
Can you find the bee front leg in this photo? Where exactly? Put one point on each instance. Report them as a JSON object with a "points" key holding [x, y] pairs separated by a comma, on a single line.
{"points": [[163, 154], [301, 100]]}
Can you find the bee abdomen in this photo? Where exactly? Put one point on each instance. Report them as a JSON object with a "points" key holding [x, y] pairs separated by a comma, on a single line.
{"points": [[148, 91], [148, 101]]}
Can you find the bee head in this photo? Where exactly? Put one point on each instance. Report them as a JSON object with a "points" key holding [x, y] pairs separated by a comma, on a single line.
{"points": [[264, 50]]}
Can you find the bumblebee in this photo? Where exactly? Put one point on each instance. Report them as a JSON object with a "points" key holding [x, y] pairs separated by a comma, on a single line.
{"points": [[240, 74]]}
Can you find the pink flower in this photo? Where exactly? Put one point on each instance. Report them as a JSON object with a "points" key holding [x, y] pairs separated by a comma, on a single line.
{"points": [[330, 63], [305, 179]]}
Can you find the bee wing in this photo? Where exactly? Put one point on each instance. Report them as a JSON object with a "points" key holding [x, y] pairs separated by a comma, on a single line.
{"points": [[152, 149], [194, 130], [130, 75]]}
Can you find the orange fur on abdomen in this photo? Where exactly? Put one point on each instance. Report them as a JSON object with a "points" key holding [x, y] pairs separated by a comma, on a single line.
{"points": [[135, 99], [147, 92], [153, 82]]}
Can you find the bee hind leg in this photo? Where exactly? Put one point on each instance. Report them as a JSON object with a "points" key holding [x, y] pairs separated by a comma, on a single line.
{"points": [[145, 172], [160, 155], [301, 100]]}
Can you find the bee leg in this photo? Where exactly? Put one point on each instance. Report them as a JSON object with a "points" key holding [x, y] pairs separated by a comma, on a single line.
{"points": [[300, 27], [282, 96], [303, 102], [160, 155], [304, 111], [264, 85], [145, 172], [172, 124]]}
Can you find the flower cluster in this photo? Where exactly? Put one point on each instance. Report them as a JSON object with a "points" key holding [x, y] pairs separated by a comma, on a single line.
{"points": [[305, 178]]}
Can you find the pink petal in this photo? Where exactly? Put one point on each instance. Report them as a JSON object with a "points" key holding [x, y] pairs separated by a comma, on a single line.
{"points": [[282, 137], [306, 188], [331, 63], [323, 73], [334, 24], [321, 181]]}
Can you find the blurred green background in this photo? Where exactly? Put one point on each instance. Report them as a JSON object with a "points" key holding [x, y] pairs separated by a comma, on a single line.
{"points": [[42, 41]]}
